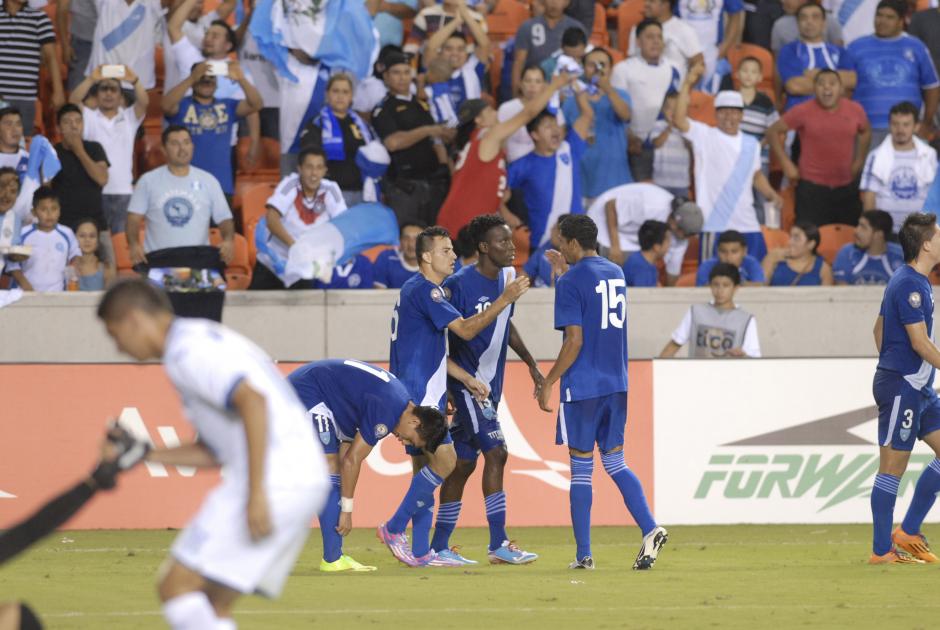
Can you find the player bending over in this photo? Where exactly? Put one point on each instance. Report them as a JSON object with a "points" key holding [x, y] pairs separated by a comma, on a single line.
{"points": [[908, 406], [352, 406], [253, 525], [591, 310], [418, 356], [476, 428]]}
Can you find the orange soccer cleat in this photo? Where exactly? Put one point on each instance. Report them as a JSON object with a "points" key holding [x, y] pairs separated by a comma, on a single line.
{"points": [[914, 544], [895, 556]]}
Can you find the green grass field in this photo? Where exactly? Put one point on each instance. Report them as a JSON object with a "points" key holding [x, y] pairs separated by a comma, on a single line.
{"points": [[724, 577]]}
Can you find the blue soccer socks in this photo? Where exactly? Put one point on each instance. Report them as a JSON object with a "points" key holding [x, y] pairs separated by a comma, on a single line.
{"points": [[581, 496], [630, 488], [447, 516], [420, 495], [925, 493], [496, 517], [884, 494], [329, 519]]}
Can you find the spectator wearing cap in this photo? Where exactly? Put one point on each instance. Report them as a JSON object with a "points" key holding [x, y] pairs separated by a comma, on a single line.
{"points": [[340, 132], [620, 212], [479, 180], [114, 127], [872, 258], [605, 164], [371, 90], [893, 67], [418, 178], [800, 61], [899, 171], [728, 168], [640, 268], [732, 250], [647, 78], [681, 46], [539, 37]]}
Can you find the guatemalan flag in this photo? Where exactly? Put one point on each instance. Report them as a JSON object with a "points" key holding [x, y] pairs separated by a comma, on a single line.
{"points": [[329, 243]]}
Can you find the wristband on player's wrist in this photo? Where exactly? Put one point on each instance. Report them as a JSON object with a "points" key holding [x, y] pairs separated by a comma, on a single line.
{"points": [[345, 505]]}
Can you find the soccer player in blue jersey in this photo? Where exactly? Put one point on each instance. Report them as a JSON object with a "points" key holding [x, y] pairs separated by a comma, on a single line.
{"points": [[908, 407], [420, 322], [591, 310], [352, 406], [475, 425]]}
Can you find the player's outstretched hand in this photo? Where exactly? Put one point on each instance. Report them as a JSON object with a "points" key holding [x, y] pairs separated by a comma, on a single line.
{"points": [[537, 379], [544, 395], [557, 261], [259, 518], [516, 288], [345, 523]]}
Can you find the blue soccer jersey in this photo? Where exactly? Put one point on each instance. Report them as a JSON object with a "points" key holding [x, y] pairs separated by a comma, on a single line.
{"points": [[639, 272], [419, 340], [211, 129], [856, 266], [355, 274], [750, 270], [363, 398], [390, 270], [908, 299], [592, 295], [484, 356]]}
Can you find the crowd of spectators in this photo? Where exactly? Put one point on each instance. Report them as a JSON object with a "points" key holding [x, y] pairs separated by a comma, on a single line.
{"points": [[779, 120]]}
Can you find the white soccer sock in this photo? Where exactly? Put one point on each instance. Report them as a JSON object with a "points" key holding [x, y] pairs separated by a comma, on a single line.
{"points": [[191, 611]]}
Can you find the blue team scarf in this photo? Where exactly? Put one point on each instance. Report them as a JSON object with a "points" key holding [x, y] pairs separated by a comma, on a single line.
{"points": [[332, 134]]}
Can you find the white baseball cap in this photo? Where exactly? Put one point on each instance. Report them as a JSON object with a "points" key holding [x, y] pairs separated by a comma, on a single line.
{"points": [[729, 98]]}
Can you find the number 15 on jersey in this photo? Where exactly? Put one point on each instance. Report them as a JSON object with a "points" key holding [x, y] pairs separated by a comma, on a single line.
{"points": [[613, 302]]}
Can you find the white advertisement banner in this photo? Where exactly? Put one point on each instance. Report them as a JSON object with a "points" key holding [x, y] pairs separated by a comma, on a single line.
{"points": [[769, 441]]}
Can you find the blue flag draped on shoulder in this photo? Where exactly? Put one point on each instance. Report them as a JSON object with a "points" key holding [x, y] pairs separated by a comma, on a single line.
{"points": [[338, 33], [329, 243]]}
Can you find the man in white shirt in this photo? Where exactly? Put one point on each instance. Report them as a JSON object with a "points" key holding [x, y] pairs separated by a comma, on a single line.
{"points": [[681, 45], [128, 32], [115, 128], [899, 172], [301, 201], [253, 525], [719, 25], [728, 165], [647, 78]]}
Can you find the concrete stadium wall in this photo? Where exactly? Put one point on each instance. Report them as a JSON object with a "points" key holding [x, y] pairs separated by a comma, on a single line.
{"points": [[302, 326]]}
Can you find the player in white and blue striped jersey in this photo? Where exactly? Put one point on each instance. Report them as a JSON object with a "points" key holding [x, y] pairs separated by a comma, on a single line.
{"points": [[418, 358], [591, 310], [476, 427], [908, 407]]}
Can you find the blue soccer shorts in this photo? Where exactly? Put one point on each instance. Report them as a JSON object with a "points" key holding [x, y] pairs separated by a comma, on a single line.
{"points": [[324, 426], [600, 420], [904, 413], [473, 432]]}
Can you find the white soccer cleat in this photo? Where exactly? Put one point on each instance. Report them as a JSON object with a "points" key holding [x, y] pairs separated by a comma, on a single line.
{"points": [[653, 543]]}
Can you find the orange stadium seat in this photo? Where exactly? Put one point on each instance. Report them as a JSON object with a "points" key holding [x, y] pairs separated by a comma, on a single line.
{"points": [[521, 237], [788, 213], [373, 252], [122, 253], [629, 14], [702, 108], [248, 229], [254, 197], [774, 238], [599, 34], [687, 279], [150, 153], [153, 119], [831, 239], [690, 260], [159, 66], [766, 58], [505, 19], [238, 271], [269, 162]]}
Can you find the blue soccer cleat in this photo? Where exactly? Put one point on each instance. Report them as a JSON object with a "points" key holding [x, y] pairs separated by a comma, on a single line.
{"points": [[435, 559], [453, 554], [509, 553]]}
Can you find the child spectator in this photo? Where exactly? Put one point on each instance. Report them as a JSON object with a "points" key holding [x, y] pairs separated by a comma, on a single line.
{"points": [[871, 259], [640, 268], [538, 268], [574, 45], [798, 264], [54, 247], [672, 159], [93, 275], [718, 329], [732, 249]]}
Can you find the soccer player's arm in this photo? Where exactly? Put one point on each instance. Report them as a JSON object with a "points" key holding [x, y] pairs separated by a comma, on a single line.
{"points": [[518, 346], [568, 318], [349, 476], [470, 327], [478, 388], [921, 343], [878, 331]]}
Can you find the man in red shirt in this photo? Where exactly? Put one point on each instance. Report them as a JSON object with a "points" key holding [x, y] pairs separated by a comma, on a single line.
{"points": [[830, 159]]}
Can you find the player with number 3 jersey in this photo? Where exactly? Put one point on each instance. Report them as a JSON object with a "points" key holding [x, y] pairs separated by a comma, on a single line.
{"points": [[591, 311]]}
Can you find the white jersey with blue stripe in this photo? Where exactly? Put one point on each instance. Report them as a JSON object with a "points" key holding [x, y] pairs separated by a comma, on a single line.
{"points": [[484, 356]]}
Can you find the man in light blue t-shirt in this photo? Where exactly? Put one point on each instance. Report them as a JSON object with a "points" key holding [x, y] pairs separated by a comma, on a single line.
{"points": [[178, 201]]}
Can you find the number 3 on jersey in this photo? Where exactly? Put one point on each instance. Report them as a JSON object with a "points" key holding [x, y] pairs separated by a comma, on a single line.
{"points": [[614, 303]]}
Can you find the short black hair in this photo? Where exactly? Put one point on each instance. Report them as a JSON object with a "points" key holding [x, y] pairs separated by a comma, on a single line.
{"points": [[918, 228], [9, 170], [539, 69], [732, 236], [457, 35], [68, 108], [10, 111], [726, 270], [651, 234], [305, 153], [898, 6], [573, 36], [378, 68], [751, 58], [426, 238], [44, 192], [432, 428], [229, 32], [581, 228], [170, 129], [481, 225], [533, 124], [811, 230], [645, 23], [880, 221], [905, 108], [464, 246], [827, 71], [411, 223], [810, 4], [129, 294]]}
